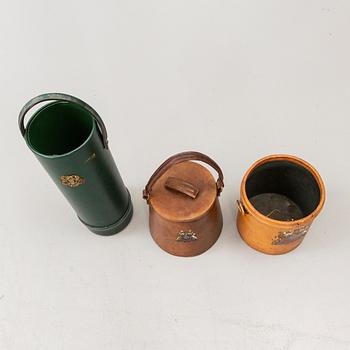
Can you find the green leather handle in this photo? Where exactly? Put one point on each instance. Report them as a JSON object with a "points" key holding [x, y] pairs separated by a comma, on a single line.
{"points": [[62, 97]]}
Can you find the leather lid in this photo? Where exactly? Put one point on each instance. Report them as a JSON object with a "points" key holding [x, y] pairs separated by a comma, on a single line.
{"points": [[185, 192]]}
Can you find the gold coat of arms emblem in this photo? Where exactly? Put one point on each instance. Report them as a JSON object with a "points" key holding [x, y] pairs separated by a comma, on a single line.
{"points": [[72, 180]]}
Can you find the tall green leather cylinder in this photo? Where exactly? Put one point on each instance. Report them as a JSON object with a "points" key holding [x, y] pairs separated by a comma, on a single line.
{"points": [[69, 139]]}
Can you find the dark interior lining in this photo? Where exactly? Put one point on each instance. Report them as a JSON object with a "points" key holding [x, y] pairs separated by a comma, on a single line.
{"points": [[59, 128], [285, 178]]}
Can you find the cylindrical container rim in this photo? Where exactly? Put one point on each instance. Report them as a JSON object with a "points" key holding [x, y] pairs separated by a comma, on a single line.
{"points": [[54, 156], [248, 206]]}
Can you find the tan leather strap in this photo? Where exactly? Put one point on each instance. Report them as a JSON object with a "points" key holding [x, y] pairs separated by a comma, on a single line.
{"points": [[179, 158]]}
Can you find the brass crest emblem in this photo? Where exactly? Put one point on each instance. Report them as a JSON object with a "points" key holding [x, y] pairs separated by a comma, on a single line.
{"points": [[286, 237], [72, 180], [186, 236]]}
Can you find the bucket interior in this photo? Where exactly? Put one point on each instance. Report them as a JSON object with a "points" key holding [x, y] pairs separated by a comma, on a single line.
{"points": [[283, 190], [59, 128]]}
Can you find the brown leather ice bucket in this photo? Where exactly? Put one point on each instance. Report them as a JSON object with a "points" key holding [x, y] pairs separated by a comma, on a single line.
{"points": [[185, 217], [281, 195]]}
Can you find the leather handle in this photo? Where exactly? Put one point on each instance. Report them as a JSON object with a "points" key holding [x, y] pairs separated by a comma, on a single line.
{"points": [[62, 97], [182, 186], [179, 158]]}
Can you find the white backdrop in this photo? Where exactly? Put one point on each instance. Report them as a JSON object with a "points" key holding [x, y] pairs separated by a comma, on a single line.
{"points": [[234, 79]]}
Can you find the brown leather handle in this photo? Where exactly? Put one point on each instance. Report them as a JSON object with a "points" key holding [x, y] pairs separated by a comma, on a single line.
{"points": [[181, 186], [179, 158]]}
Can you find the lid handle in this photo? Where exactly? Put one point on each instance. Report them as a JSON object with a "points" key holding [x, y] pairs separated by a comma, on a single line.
{"points": [[182, 186], [180, 158]]}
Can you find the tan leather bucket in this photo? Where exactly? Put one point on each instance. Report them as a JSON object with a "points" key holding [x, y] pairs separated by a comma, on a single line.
{"points": [[184, 211], [281, 195]]}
